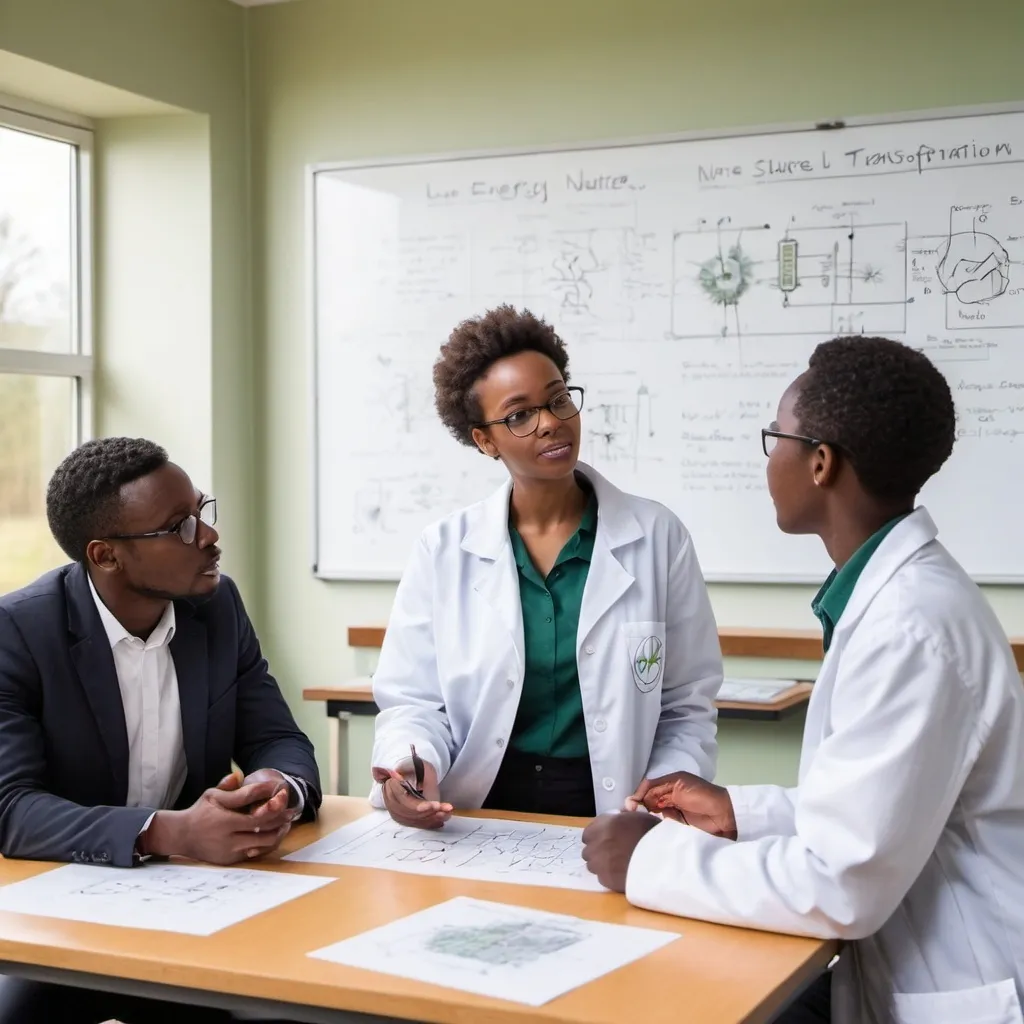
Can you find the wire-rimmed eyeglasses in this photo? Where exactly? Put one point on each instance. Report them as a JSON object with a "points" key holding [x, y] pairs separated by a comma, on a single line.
{"points": [[187, 529], [523, 422]]}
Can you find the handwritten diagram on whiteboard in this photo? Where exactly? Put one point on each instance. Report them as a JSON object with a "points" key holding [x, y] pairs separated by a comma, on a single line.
{"points": [[493, 949], [691, 281], [487, 849]]}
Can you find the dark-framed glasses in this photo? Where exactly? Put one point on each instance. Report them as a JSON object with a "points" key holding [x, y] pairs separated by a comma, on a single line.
{"points": [[186, 529], [770, 438], [523, 422]]}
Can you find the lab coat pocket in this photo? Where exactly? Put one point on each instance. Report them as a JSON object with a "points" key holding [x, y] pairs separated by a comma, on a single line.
{"points": [[987, 1004], [645, 648]]}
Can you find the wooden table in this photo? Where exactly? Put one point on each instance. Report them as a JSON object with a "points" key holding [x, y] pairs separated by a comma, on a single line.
{"points": [[713, 975], [356, 698]]}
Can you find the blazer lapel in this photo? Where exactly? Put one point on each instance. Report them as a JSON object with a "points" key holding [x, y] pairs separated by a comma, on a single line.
{"points": [[94, 662], [192, 667]]}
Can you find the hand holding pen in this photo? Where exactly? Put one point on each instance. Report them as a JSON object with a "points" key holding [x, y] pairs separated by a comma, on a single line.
{"points": [[412, 795]]}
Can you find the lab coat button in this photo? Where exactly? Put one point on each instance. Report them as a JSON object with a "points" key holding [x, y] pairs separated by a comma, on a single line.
{"points": [[600, 725], [608, 784], [511, 683], [589, 649], [500, 743]]}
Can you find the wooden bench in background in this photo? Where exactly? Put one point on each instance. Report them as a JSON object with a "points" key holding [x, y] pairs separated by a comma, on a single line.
{"points": [[355, 697]]}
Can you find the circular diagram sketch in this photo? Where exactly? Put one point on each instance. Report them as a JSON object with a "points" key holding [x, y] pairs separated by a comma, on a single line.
{"points": [[973, 266], [725, 278]]}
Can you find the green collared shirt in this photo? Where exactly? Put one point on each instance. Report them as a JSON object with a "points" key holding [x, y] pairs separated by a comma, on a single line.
{"points": [[830, 602], [550, 721]]}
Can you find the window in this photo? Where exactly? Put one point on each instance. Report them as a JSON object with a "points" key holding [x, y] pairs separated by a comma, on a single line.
{"points": [[45, 323]]}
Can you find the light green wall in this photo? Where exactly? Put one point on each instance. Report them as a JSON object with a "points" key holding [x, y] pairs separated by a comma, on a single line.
{"points": [[190, 54], [347, 79], [153, 217], [322, 80]]}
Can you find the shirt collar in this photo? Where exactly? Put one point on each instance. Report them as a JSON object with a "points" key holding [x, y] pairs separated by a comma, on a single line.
{"points": [[579, 545], [162, 634], [831, 600]]}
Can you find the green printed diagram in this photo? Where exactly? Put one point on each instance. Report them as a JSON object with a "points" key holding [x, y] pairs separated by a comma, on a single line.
{"points": [[758, 280], [503, 943]]}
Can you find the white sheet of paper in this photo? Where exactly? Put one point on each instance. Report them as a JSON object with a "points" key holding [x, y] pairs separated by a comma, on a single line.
{"points": [[492, 949], [754, 691], [485, 849], [158, 897]]}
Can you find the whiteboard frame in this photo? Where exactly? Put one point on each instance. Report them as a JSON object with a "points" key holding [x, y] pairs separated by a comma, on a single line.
{"points": [[458, 156]]}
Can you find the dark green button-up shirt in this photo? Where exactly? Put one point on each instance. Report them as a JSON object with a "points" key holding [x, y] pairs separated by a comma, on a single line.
{"points": [[550, 721], [830, 602]]}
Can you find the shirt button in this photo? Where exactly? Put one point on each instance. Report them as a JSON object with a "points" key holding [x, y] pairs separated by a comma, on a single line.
{"points": [[608, 783], [589, 649], [510, 683], [600, 725], [548, 619], [500, 743]]}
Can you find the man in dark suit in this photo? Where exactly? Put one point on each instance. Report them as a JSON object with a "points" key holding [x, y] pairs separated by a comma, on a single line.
{"points": [[129, 682]]}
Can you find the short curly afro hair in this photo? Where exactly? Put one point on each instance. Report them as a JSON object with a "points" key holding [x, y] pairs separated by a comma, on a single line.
{"points": [[84, 494], [885, 406], [473, 347]]}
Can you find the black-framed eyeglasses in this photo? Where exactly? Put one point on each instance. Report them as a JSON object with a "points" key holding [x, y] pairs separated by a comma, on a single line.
{"points": [[187, 529], [523, 422], [770, 437]]}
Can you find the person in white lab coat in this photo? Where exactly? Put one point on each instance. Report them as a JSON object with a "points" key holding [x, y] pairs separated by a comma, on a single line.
{"points": [[905, 834], [553, 644]]}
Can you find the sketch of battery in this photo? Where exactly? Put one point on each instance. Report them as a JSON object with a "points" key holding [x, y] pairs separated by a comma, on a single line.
{"points": [[743, 281]]}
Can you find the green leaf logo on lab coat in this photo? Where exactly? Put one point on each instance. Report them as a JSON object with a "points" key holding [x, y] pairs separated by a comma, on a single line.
{"points": [[647, 663]]}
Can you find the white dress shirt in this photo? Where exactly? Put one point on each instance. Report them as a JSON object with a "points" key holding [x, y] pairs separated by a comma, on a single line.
{"points": [[152, 709], [152, 712]]}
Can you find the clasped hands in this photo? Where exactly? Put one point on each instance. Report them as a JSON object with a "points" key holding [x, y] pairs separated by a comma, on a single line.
{"points": [[609, 841], [238, 819]]}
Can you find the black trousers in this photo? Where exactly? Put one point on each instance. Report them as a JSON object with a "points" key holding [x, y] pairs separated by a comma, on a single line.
{"points": [[33, 1002], [543, 785], [813, 1007]]}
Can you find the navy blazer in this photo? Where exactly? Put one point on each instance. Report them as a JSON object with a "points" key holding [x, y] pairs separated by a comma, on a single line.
{"points": [[63, 739]]}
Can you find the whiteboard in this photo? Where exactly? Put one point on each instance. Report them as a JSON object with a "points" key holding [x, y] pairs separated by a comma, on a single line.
{"points": [[690, 279]]}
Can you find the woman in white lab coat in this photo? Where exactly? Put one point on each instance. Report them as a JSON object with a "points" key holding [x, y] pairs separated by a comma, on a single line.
{"points": [[552, 645], [905, 834]]}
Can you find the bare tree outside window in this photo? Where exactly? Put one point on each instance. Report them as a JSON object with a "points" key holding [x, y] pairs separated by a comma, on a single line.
{"points": [[40, 339]]}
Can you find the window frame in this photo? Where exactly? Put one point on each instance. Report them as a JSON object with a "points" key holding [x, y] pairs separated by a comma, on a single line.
{"points": [[78, 364]]}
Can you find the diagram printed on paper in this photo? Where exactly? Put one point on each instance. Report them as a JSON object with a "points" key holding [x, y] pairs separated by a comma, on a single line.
{"points": [[497, 949], [488, 938], [162, 897], [490, 849]]}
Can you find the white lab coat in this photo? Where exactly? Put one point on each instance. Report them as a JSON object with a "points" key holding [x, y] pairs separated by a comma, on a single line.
{"points": [[906, 832], [451, 668]]}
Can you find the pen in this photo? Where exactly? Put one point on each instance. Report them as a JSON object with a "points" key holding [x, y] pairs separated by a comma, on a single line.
{"points": [[417, 767]]}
